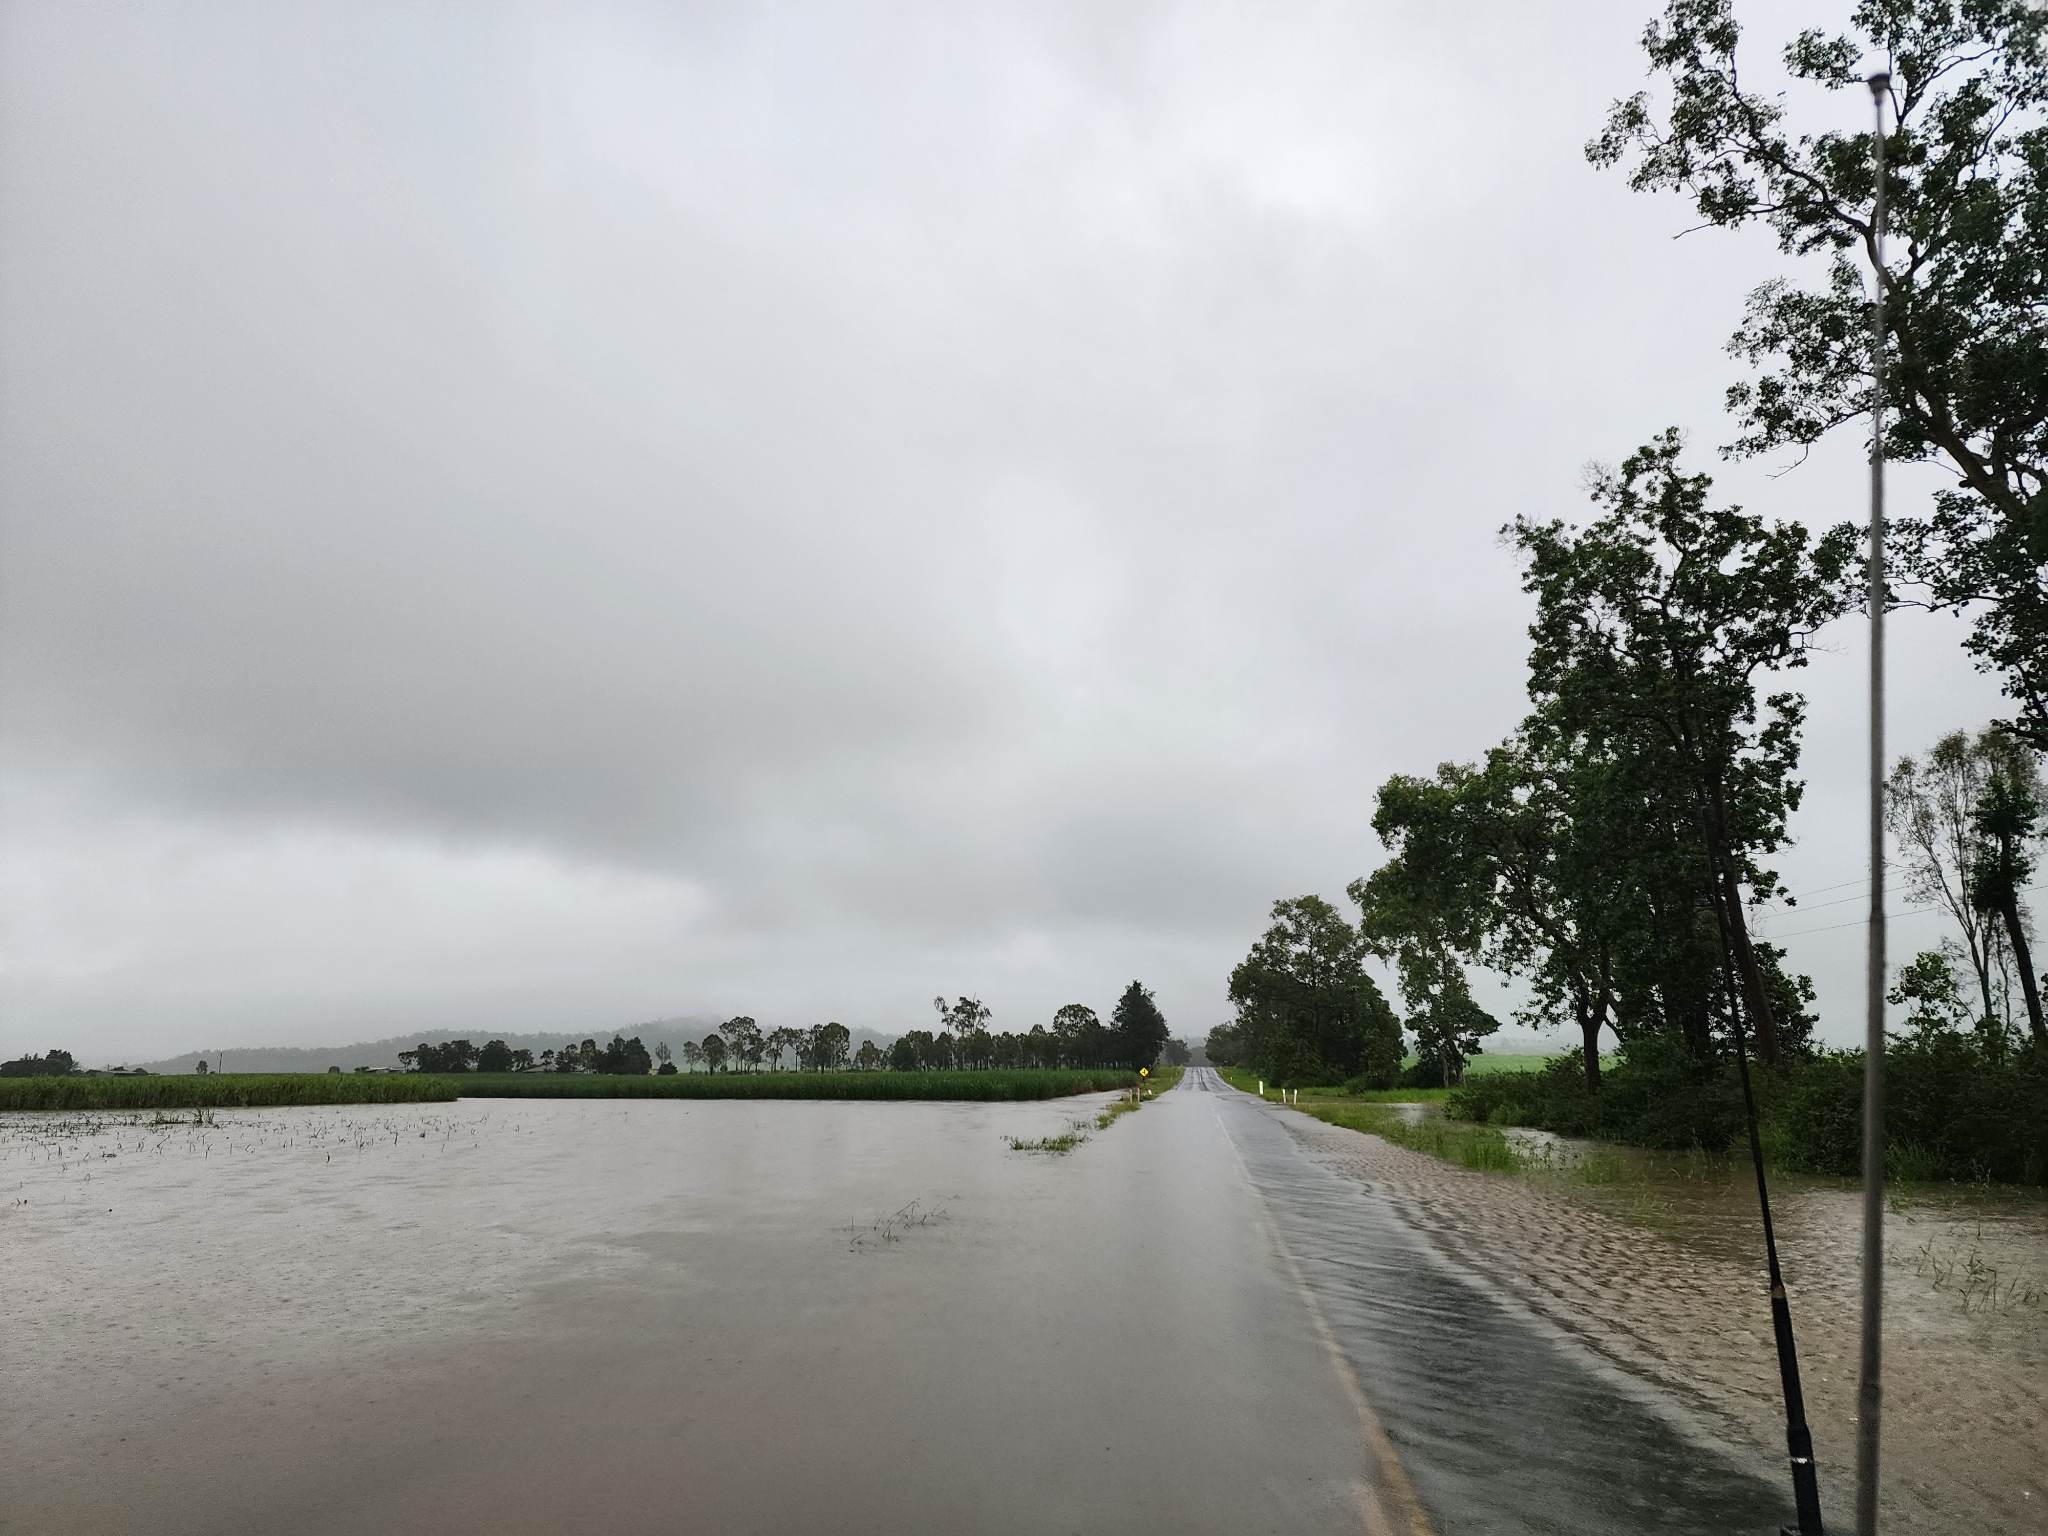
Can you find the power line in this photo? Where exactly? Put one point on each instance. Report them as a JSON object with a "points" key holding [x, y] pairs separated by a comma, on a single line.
{"points": [[1904, 912], [1772, 938]]}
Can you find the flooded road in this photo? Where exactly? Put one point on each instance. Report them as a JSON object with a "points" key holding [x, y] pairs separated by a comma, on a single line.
{"points": [[784, 1316]]}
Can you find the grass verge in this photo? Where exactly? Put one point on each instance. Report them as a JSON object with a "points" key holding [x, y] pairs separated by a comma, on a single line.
{"points": [[1475, 1146]]}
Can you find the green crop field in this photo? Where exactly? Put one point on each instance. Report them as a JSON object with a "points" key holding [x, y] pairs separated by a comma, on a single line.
{"points": [[233, 1090], [222, 1090], [1023, 1083]]}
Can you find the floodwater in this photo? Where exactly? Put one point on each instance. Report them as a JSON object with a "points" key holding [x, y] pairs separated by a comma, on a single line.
{"points": [[1962, 1260], [1655, 1261], [685, 1316]]}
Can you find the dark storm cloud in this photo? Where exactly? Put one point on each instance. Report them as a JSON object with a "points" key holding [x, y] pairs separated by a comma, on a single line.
{"points": [[563, 513]]}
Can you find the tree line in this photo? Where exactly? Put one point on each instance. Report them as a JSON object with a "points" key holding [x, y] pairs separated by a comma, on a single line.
{"points": [[1613, 850], [1136, 1036]]}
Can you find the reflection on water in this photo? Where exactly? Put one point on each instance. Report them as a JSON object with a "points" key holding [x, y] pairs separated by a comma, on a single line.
{"points": [[1962, 1257]]}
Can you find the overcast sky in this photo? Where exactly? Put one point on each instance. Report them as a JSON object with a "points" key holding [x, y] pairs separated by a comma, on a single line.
{"points": [[543, 517]]}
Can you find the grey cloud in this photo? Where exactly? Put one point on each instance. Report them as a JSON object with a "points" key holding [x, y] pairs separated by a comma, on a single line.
{"points": [[867, 500]]}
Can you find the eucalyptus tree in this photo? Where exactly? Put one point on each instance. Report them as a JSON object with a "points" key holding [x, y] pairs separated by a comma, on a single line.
{"points": [[1966, 199], [1655, 624], [744, 1042], [1931, 805], [2006, 821]]}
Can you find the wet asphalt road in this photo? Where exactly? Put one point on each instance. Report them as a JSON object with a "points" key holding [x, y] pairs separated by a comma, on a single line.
{"points": [[1502, 1423], [588, 1316]]}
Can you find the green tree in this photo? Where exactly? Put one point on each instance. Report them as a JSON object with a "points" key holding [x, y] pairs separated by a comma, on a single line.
{"points": [[744, 1043], [1931, 806], [1654, 623], [1073, 1027], [1928, 988], [1306, 1009], [826, 1046], [625, 1058], [522, 1060], [868, 1057], [495, 1057], [1223, 1046], [1966, 355], [713, 1049], [1137, 1027], [1428, 906], [2007, 818]]}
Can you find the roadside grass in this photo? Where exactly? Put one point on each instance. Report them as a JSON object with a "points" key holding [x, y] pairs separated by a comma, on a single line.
{"points": [[1065, 1142], [1163, 1079], [1474, 1146], [1248, 1081]]}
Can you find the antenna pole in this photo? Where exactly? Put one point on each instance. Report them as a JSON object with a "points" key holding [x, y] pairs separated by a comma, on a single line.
{"points": [[1869, 1385]]}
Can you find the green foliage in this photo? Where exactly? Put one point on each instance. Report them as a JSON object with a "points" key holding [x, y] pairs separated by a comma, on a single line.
{"points": [[1137, 1027], [451, 1056], [1474, 1146], [1963, 1114], [1966, 356], [1654, 623], [55, 1064], [228, 1090], [1306, 1010]]}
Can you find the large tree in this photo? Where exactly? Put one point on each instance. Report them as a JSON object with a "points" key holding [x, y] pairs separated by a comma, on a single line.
{"points": [[1966, 195], [1306, 1009], [1075, 1032], [1137, 1027], [2006, 821], [1931, 804], [1655, 624]]}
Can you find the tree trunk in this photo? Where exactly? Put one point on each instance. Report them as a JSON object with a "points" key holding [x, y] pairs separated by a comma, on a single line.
{"points": [[2023, 961]]}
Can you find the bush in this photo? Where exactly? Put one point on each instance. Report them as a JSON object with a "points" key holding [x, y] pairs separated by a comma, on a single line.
{"points": [[1951, 1112]]}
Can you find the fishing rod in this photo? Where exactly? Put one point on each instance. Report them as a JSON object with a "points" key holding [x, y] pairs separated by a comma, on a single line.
{"points": [[1798, 1437]]}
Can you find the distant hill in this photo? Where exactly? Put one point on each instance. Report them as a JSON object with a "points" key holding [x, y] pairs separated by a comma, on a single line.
{"points": [[384, 1053]]}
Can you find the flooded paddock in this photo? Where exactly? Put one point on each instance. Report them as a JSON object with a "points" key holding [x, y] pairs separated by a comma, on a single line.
{"points": [[675, 1316]]}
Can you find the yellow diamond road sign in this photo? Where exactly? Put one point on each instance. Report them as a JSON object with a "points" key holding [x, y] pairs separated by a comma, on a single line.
{"points": [[1144, 1071]]}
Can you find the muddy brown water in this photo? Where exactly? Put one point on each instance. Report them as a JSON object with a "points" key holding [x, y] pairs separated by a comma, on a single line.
{"points": [[774, 1316]]}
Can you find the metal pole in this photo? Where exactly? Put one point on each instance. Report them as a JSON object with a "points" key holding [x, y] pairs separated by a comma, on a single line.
{"points": [[1869, 1384]]}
